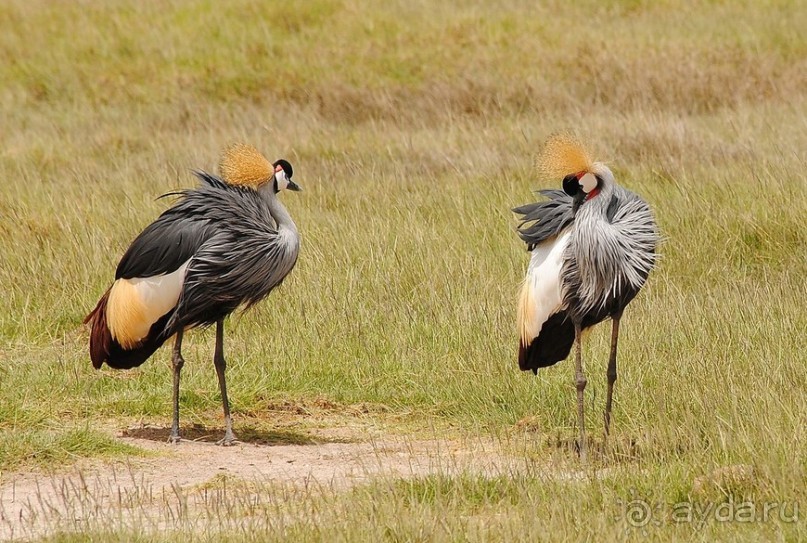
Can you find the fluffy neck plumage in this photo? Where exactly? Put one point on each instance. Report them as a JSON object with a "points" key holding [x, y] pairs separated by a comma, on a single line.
{"points": [[594, 247], [276, 209]]}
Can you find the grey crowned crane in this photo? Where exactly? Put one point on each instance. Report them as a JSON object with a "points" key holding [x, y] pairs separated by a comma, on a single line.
{"points": [[592, 247], [224, 245]]}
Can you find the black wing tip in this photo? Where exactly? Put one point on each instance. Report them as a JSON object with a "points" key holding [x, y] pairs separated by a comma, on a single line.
{"points": [[535, 356], [124, 359], [553, 344]]}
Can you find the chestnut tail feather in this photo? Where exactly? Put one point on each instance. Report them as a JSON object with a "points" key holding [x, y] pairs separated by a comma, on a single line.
{"points": [[104, 348]]}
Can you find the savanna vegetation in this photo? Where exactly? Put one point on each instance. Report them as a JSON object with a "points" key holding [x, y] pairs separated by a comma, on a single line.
{"points": [[413, 128]]}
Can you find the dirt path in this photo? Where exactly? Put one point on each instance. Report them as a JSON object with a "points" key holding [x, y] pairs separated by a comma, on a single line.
{"points": [[89, 493]]}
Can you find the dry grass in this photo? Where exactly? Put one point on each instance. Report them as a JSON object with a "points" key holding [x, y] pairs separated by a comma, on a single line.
{"points": [[413, 129]]}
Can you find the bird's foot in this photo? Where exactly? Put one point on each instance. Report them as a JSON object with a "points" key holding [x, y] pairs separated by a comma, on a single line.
{"points": [[174, 439], [580, 447], [228, 440]]}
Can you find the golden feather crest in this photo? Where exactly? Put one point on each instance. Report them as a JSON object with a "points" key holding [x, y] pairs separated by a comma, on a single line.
{"points": [[563, 154], [243, 164]]}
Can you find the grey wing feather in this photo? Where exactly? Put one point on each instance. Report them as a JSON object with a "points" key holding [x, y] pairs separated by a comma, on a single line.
{"points": [[176, 235], [164, 245], [219, 282], [546, 219], [244, 260]]}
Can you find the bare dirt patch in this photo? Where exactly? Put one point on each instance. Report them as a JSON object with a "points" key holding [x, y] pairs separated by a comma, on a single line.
{"points": [[172, 482]]}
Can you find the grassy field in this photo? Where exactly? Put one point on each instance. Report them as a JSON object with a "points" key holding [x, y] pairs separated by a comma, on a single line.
{"points": [[413, 128]]}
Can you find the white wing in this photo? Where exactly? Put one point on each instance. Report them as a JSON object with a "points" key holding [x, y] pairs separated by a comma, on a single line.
{"points": [[541, 292], [135, 304]]}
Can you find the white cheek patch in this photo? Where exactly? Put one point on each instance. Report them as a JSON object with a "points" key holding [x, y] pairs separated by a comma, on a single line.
{"points": [[588, 182], [282, 181]]}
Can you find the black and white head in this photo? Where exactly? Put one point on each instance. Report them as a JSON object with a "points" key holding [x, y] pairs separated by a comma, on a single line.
{"points": [[242, 164], [587, 184], [282, 177]]}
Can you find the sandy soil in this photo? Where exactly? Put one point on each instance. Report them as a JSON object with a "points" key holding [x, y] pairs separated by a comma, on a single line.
{"points": [[36, 503]]}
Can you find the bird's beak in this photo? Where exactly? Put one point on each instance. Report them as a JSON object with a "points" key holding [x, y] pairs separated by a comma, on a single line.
{"points": [[294, 186]]}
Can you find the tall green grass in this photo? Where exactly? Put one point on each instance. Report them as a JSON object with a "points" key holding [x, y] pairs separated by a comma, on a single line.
{"points": [[413, 129]]}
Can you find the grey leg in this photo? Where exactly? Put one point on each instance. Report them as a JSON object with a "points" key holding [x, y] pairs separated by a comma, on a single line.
{"points": [[580, 382], [178, 362], [221, 365], [611, 372]]}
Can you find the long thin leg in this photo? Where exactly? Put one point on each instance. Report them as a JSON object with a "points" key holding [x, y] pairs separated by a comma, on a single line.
{"points": [[611, 372], [580, 382], [178, 362], [221, 365]]}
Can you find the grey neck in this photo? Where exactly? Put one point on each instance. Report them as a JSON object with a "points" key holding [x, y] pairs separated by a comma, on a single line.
{"points": [[276, 209]]}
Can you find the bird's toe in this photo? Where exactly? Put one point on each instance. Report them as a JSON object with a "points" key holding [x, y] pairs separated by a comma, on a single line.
{"points": [[228, 441]]}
